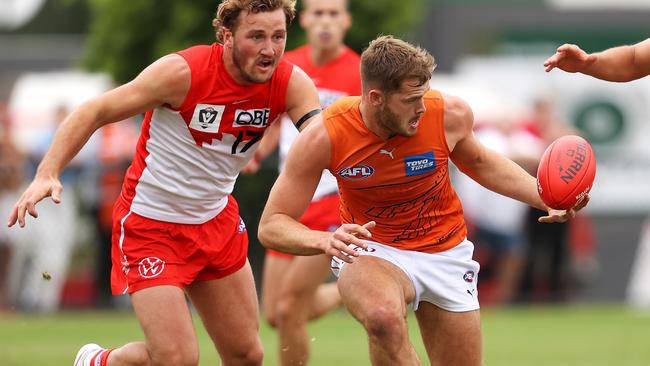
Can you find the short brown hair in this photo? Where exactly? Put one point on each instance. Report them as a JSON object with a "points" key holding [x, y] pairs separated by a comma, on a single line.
{"points": [[229, 10], [388, 61]]}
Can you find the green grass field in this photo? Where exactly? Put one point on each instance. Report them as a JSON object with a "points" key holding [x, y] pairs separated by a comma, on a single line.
{"points": [[575, 335]]}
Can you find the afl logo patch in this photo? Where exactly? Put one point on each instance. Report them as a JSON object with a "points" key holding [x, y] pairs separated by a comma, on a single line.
{"points": [[151, 267], [207, 118], [469, 276], [357, 172]]}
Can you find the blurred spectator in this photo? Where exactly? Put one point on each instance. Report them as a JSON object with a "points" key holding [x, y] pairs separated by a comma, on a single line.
{"points": [[11, 178], [42, 252], [547, 274], [116, 147], [496, 222]]}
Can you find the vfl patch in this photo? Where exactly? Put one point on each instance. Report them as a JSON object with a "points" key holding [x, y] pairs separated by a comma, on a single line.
{"points": [[419, 164], [207, 118], [357, 172], [151, 267], [258, 118], [469, 276]]}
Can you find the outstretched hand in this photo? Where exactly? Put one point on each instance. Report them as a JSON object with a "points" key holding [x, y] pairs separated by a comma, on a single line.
{"points": [[37, 190], [339, 242], [569, 58], [561, 216]]}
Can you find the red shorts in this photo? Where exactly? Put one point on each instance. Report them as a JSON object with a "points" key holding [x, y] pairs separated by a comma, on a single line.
{"points": [[322, 214], [147, 252]]}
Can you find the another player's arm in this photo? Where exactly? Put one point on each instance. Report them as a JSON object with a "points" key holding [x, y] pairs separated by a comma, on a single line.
{"points": [[165, 81], [302, 100], [279, 227], [623, 63]]}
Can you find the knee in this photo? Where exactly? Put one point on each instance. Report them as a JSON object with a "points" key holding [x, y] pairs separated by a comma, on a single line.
{"points": [[289, 310], [271, 319], [175, 355], [249, 356], [385, 325]]}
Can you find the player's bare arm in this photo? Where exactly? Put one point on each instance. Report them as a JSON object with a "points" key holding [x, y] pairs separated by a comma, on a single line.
{"points": [[485, 166], [623, 63], [302, 99], [165, 81], [279, 227]]}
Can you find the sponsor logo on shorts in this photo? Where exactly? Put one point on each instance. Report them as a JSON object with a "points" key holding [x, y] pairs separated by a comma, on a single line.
{"points": [[258, 118], [242, 226], [369, 249], [207, 118], [357, 172], [151, 267], [419, 164], [469, 276]]}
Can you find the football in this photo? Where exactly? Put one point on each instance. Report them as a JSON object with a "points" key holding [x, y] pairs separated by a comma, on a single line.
{"points": [[566, 172]]}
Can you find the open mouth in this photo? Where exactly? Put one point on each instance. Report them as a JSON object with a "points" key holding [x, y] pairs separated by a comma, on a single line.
{"points": [[265, 64]]}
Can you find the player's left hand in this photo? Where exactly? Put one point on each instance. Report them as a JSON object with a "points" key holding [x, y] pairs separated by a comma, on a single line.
{"points": [[346, 238], [561, 216]]}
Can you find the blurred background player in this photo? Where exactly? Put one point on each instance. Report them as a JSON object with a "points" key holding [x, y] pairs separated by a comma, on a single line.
{"points": [[292, 288], [623, 63]]}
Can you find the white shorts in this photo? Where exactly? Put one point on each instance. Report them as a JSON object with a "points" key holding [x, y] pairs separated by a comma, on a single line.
{"points": [[446, 279]]}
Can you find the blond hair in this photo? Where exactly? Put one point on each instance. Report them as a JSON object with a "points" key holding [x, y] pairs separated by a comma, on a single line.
{"points": [[388, 61], [229, 10]]}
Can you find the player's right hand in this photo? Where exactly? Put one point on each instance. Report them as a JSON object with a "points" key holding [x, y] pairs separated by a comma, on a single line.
{"points": [[569, 58], [338, 245], [37, 190]]}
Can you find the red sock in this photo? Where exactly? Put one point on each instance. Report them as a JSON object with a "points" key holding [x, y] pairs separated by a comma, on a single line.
{"points": [[101, 358]]}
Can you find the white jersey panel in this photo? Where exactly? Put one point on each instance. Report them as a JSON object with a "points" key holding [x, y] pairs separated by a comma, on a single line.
{"points": [[288, 134], [183, 182]]}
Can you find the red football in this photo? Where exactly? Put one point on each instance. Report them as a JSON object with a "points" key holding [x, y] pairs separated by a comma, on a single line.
{"points": [[566, 172]]}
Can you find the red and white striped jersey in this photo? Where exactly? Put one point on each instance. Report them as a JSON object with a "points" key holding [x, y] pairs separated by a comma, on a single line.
{"points": [[187, 159]]}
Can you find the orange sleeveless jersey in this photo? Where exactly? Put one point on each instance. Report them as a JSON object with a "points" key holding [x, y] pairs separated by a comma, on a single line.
{"points": [[401, 183]]}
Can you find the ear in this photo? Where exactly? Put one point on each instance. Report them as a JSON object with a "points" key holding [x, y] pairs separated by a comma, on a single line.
{"points": [[227, 36], [302, 19], [376, 97], [347, 21]]}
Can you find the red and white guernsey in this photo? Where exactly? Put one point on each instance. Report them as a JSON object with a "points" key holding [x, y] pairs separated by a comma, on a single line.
{"points": [[187, 159]]}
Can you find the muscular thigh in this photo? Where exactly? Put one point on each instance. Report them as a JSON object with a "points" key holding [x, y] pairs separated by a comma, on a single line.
{"points": [[228, 308], [164, 317], [370, 281]]}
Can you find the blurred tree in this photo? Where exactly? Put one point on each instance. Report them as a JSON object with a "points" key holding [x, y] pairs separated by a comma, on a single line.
{"points": [[127, 35]]}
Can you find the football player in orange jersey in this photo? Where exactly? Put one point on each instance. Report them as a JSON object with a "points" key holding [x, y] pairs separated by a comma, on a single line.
{"points": [[623, 63], [403, 241]]}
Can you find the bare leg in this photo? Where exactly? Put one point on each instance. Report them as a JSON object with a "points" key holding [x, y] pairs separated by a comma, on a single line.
{"points": [[450, 338], [167, 324], [295, 306], [230, 314], [275, 270], [376, 293]]}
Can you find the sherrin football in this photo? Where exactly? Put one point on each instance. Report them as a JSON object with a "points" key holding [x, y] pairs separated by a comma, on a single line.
{"points": [[566, 172]]}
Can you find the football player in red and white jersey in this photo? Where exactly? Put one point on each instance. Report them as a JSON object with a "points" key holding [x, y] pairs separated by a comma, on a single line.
{"points": [[293, 291], [176, 229]]}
